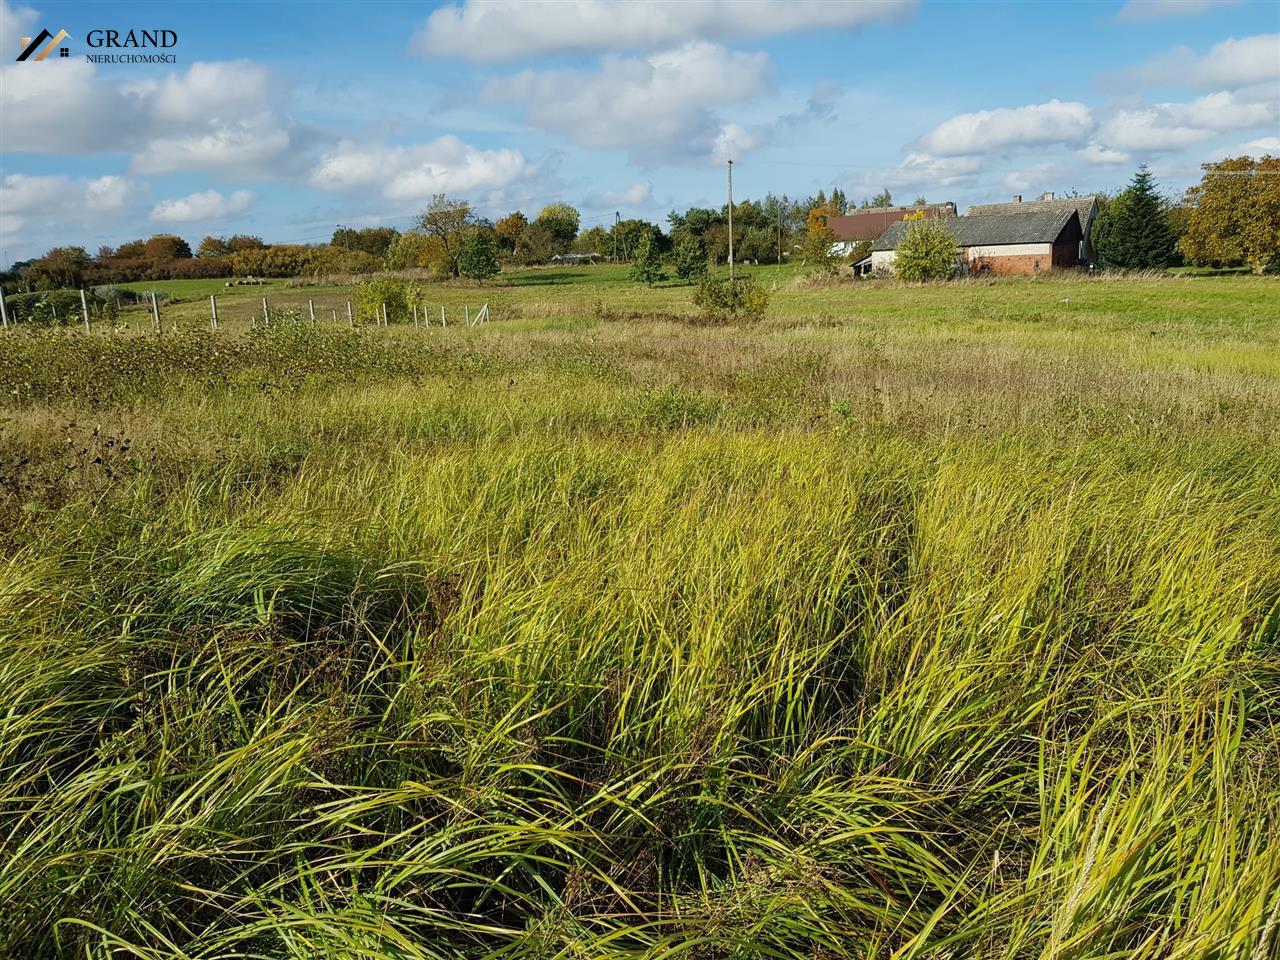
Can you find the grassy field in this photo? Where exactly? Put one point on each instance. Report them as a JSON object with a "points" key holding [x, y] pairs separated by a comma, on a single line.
{"points": [[909, 622]]}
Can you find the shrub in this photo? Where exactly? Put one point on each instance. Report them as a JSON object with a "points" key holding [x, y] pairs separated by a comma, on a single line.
{"points": [[478, 258], [927, 252], [411, 249], [391, 291], [722, 300], [49, 308]]}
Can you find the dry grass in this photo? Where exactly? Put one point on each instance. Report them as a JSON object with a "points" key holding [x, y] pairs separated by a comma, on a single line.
{"points": [[929, 623]]}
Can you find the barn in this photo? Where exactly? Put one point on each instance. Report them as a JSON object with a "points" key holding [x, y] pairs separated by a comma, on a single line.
{"points": [[1012, 243], [861, 225], [1086, 207]]}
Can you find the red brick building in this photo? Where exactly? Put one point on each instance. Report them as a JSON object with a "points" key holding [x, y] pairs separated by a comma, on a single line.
{"points": [[1014, 243], [869, 224]]}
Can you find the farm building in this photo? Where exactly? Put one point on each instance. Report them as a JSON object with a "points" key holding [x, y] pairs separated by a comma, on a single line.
{"points": [[869, 224], [998, 243], [1085, 207]]}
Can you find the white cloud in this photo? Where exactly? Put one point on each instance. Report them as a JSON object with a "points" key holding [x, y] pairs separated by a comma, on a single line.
{"points": [[637, 194], [250, 149], [1224, 111], [1149, 130], [1259, 147], [41, 206], [1173, 126], [15, 23], [658, 106], [60, 196], [224, 92], [923, 171], [1136, 10], [1096, 153], [734, 142], [214, 117], [988, 130], [1032, 178], [1233, 63], [108, 194], [22, 194], [1238, 63], [201, 207], [511, 29], [445, 165], [63, 107]]}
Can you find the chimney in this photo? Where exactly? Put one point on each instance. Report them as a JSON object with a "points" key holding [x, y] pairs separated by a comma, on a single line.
{"points": [[1047, 196], [1018, 198]]}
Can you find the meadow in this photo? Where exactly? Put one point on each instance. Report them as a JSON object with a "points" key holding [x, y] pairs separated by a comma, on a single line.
{"points": [[908, 622]]}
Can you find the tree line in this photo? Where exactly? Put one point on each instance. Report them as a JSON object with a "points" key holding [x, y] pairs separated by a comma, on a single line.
{"points": [[1231, 218]]}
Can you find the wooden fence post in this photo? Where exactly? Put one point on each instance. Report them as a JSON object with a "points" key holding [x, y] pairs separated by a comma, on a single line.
{"points": [[351, 320], [444, 322], [415, 313], [466, 314], [84, 308], [311, 306], [266, 315], [213, 311], [4, 311], [155, 312]]}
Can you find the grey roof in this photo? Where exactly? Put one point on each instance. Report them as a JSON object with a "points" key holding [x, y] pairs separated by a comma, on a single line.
{"points": [[989, 231], [1086, 207]]}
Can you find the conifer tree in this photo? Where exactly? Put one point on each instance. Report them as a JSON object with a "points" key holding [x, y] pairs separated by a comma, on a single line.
{"points": [[646, 267], [1132, 231]]}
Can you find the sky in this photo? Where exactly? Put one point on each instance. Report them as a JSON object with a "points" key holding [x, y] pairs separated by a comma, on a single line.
{"points": [[286, 120]]}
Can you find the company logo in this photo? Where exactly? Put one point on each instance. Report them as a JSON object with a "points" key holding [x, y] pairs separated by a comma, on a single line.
{"points": [[29, 46], [154, 39]]}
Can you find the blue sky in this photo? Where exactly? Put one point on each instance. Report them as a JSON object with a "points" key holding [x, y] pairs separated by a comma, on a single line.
{"points": [[286, 119]]}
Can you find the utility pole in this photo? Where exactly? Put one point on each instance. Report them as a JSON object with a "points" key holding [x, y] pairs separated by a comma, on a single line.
{"points": [[731, 221], [617, 217], [780, 232]]}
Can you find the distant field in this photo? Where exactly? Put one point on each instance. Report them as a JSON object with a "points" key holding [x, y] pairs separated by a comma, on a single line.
{"points": [[179, 290], [911, 622]]}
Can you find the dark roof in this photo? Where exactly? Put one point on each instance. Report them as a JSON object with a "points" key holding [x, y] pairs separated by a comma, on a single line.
{"points": [[993, 230], [870, 223], [1086, 207]]}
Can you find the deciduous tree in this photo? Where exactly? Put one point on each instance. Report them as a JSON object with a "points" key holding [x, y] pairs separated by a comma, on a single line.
{"points": [[449, 221], [536, 245], [1235, 215], [166, 246], [819, 239], [61, 268], [509, 229], [927, 252], [211, 246], [562, 222]]}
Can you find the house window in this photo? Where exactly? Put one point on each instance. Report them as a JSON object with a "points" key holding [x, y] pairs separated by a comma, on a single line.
{"points": [[1037, 266]]}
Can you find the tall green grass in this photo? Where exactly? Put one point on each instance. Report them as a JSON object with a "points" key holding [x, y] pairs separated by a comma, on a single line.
{"points": [[603, 641]]}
